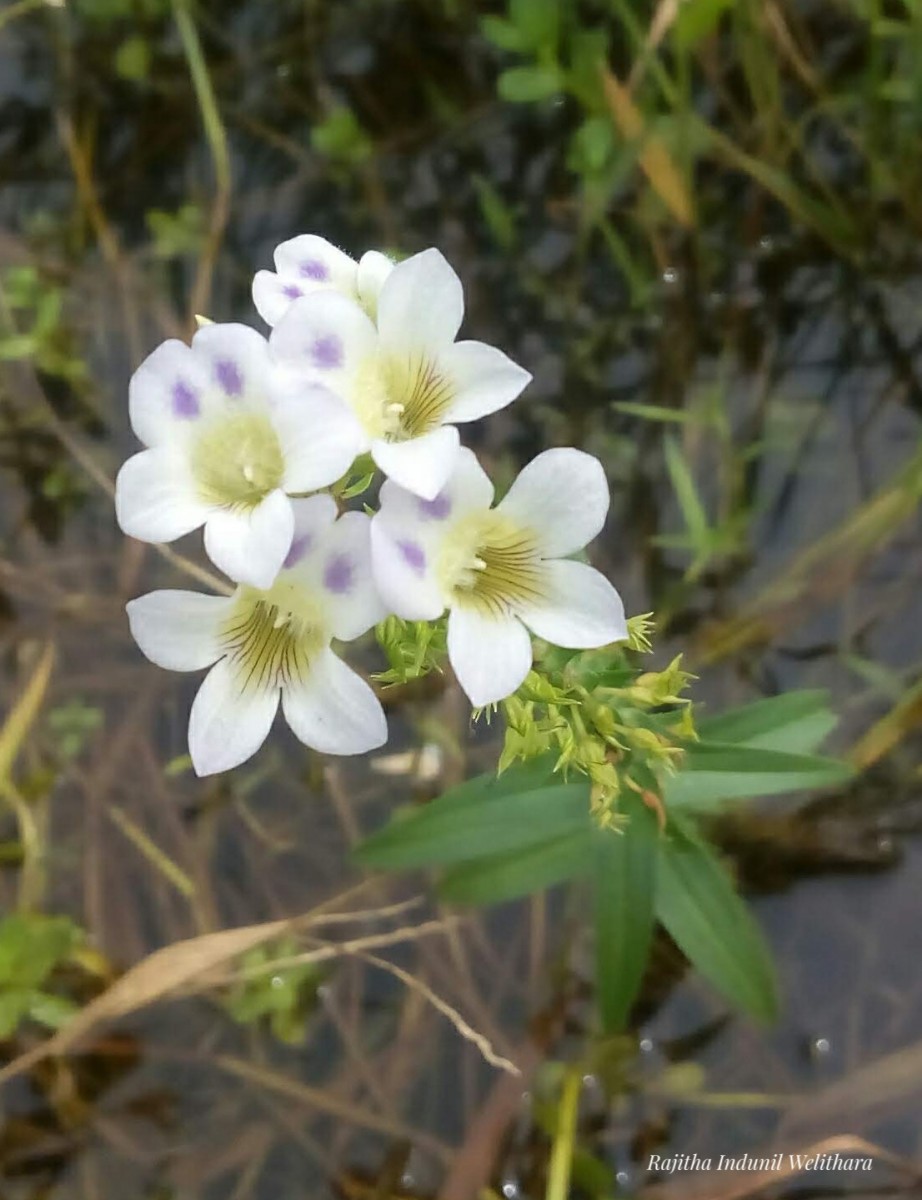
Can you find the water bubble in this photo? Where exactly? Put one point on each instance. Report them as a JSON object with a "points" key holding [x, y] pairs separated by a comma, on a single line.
{"points": [[766, 244], [623, 1178], [670, 276], [511, 1189], [646, 1045], [820, 1046], [277, 981]]}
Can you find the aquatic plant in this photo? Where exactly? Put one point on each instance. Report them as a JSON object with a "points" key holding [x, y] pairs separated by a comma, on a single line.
{"points": [[602, 773]]}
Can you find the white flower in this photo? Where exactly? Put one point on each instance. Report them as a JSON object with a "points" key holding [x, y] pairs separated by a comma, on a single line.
{"points": [[500, 569], [309, 263], [276, 642], [229, 439], [408, 380]]}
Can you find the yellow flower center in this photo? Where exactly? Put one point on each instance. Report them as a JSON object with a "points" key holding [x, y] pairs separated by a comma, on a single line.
{"points": [[237, 461], [398, 397], [492, 564], [271, 637]]}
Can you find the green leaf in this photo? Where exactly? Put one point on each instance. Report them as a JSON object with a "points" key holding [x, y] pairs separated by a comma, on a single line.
{"points": [[14, 1004], [624, 878], [696, 21], [709, 922], [502, 33], [523, 84], [481, 818], [498, 216], [31, 946], [796, 722], [341, 136], [686, 493], [592, 145], [506, 876], [52, 1011], [132, 59], [713, 773], [538, 22]]}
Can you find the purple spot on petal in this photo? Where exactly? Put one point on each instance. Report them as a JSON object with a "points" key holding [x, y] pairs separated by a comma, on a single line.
{"points": [[327, 352], [316, 270], [228, 376], [185, 401], [414, 556], [292, 291], [299, 547], [339, 574], [437, 509]]}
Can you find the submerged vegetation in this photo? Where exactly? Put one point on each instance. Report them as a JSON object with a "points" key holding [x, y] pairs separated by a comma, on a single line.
{"points": [[697, 225]]}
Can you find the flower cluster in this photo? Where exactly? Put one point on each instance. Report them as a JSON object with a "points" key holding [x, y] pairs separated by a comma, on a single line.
{"points": [[247, 436]]}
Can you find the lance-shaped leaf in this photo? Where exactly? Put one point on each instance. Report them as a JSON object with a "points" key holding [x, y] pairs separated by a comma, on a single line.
{"points": [[624, 878], [706, 918], [521, 873], [714, 772], [795, 723], [484, 817]]}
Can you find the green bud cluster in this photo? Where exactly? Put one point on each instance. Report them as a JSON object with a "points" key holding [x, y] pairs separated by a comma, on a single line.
{"points": [[412, 648], [605, 718]]}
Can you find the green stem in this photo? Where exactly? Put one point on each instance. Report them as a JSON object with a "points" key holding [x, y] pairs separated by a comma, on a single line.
{"points": [[558, 1180], [217, 143]]}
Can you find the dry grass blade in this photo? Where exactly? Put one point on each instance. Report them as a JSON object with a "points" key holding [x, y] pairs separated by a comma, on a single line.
{"points": [[888, 1084], [326, 1102], [818, 573], [23, 713], [466, 1030], [159, 974], [655, 160], [902, 720]]}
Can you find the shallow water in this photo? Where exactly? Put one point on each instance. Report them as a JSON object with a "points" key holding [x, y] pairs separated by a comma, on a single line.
{"points": [[809, 357]]}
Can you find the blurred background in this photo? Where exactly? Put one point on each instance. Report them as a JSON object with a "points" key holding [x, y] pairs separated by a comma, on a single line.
{"points": [[699, 225]]}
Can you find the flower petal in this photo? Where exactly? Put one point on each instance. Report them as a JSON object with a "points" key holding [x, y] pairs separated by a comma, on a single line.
{"points": [[273, 296], [403, 562], [484, 378], [421, 303], [325, 337], [168, 394], [251, 546], [179, 631], [582, 610], [236, 359], [490, 655], [344, 577], [333, 710], [319, 434], [313, 516], [228, 723], [421, 465], [374, 268], [563, 496], [468, 489], [155, 500], [312, 262]]}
